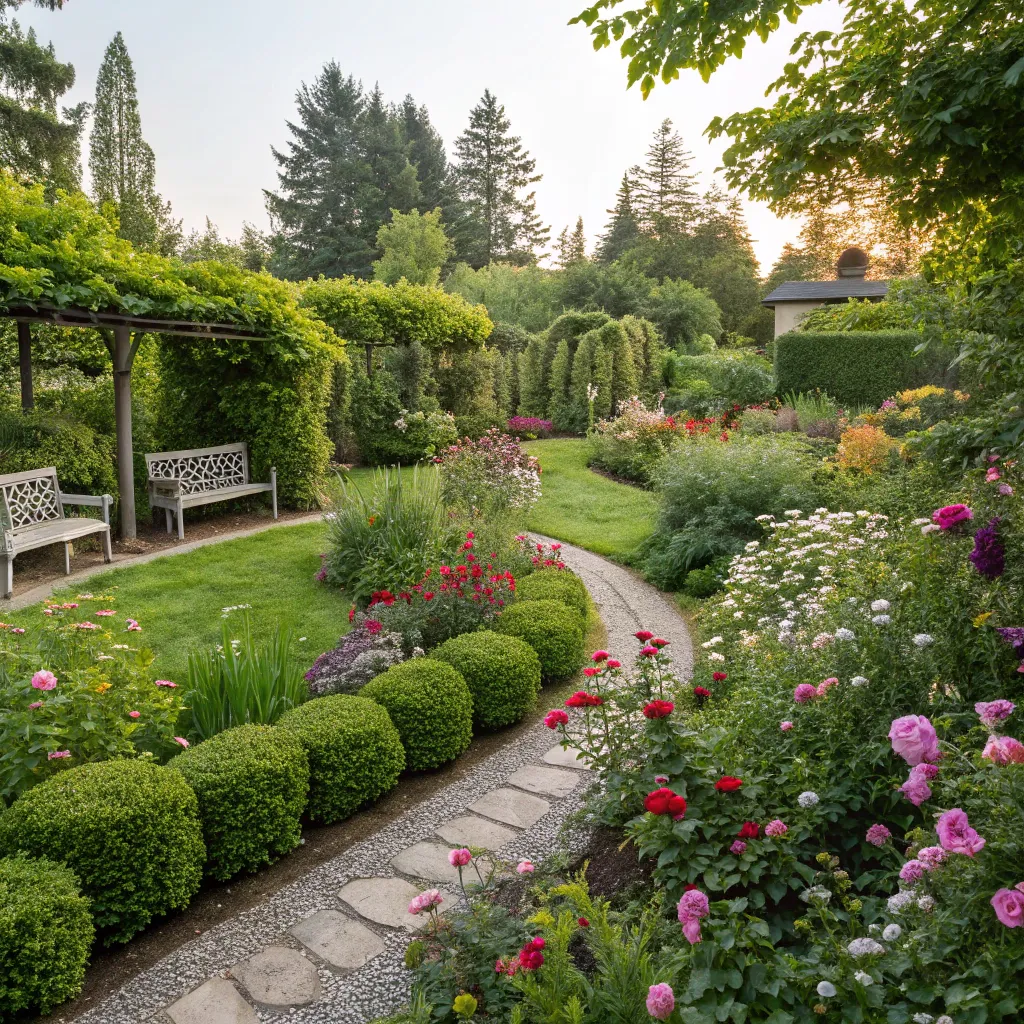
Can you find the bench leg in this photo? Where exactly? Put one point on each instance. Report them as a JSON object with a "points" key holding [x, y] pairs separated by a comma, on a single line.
{"points": [[67, 558], [181, 522], [167, 514], [273, 488], [108, 555], [8, 575]]}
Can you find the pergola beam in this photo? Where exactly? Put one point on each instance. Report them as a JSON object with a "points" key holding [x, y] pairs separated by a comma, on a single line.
{"points": [[140, 324]]}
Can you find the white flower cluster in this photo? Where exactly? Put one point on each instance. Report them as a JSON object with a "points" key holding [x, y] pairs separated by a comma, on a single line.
{"points": [[808, 799]]}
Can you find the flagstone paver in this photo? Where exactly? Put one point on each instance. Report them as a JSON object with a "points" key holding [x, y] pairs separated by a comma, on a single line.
{"points": [[511, 807], [429, 861], [571, 758], [549, 781], [386, 901], [469, 830], [339, 941], [278, 976], [215, 1002]]}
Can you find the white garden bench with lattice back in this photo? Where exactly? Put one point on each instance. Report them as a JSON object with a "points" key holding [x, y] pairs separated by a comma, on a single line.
{"points": [[200, 476], [32, 512]]}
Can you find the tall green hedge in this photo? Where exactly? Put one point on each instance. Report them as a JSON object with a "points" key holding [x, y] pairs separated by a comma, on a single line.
{"points": [[854, 367]]}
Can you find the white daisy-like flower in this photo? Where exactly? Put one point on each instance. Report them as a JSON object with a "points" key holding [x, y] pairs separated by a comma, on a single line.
{"points": [[859, 681], [863, 978], [826, 989], [808, 799], [923, 640], [930, 528], [712, 642], [892, 932], [715, 656], [881, 605], [881, 620], [845, 634], [865, 947]]}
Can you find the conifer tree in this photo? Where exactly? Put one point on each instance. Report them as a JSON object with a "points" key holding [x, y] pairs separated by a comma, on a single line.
{"points": [[623, 229], [665, 199], [35, 142], [533, 392], [511, 361], [581, 379], [392, 183], [494, 169], [121, 162], [571, 248], [558, 385], [603, 360]]}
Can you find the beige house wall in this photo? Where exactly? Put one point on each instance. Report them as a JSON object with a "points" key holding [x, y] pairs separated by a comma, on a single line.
{"points": [[788, 314]]}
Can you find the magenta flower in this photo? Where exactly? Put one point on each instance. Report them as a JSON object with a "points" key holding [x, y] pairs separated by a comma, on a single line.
{"points": [[1003, 750], [738, 847], [167, 683], [132, 626], [878, 835], [916, 790], [992, 712], [553, 719], [776, 828], [134, 714], [824, 686], [691, 909], [913, 738], [55, 754], [912, 871], [181, 740], [459, 858], [956, 835], [525, 867], [425, 901], [925, 771], [785, 726], [804, 693], [105, 612], [36, 704], [1009, 906], [660, 1001], [932, 856], [951, 515], [44, 680]]}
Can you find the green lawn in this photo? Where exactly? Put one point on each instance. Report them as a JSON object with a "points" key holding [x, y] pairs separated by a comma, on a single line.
{"points": [[584, 508]]}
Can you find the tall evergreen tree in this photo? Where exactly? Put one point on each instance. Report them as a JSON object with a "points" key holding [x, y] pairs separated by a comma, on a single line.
{"points": [[624, 228], [665, 199], [319, 228], [121, 162], [36, 143], [392, 183], [494, 170], [571, 248]]}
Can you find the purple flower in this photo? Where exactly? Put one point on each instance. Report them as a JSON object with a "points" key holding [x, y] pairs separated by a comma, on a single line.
{"points": [[989, 555], [878, 835], [912, 871], [1013, 635], [992, 712]]}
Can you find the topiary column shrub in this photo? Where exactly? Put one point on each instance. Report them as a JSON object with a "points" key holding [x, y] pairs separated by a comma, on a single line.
{"points": [[552, 629], [431, 706], [555, 585], [251, 783], [354, 750], [129, 829], [45, 935], [502, 673]]}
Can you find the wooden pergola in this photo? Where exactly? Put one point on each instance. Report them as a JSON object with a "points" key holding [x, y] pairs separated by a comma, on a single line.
{"points": [[122, 335]]}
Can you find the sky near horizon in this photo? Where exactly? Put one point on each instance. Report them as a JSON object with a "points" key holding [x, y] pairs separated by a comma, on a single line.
{"points": [[217, 82]]}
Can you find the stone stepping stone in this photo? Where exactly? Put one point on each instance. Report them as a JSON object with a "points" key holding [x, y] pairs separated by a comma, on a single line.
{"points": [[338, 940], [216, 1001], [571, 758], [511, 807], [551, 781], [430, 861], [386, 901], [470, 830], [279, 976]]}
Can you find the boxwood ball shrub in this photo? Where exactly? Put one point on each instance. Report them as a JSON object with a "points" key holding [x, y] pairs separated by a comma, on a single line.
{"points": [[354, 750], [130, 831], [45, 934], [555, 585], [554, 630], [502, 673], [431, 706], [251, 783]]}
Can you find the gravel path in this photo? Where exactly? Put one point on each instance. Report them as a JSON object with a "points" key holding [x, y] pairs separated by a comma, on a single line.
{"points": [[328, 949]]}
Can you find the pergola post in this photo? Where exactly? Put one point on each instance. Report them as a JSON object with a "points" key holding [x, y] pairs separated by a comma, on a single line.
{"points": [[123, 357], [25, 362]]}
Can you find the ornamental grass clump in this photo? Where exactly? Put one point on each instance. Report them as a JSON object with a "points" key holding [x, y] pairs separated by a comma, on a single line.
{"points": [[502, 673], [130, 831], [431, 707], [354, 750], [556, 632], [251, 783], [45, 934], [553, 584]]}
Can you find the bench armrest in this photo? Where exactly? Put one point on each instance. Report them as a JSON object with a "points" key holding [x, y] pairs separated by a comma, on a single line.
{"points": [[165, 486], [100, 501]]}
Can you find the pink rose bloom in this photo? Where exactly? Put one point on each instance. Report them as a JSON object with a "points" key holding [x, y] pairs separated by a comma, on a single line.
{"points": [[425, 900], [661, 780], [37, 704], [878, 835], [951, 515], [599, 656], [1004, 750], [44, 680], [804, 693], [956, 836], [913, 738], [992, 475], [738, 847], [660, 1001], [912, 871], [925, 771], [992, 712], [553, 719], [932, 856], [134, 714], [916, 790], [825, 684], [55, 754], [691, 930], [525, 867], [692, 907], [459, 858], [181, 740], [1005, 489], [1009, 906], [785, 726], [167, 683], [649, 651], [776, 828]]}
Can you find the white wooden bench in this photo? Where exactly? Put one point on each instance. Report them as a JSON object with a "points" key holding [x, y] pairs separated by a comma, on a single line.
{"points": [[32, 511], [200, 476]]}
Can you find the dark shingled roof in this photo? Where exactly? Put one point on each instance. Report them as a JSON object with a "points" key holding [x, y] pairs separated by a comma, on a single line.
{"points": [[810, 291]]}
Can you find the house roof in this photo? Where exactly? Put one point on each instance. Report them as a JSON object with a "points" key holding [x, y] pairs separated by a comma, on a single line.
{"points": [[823, 291]]}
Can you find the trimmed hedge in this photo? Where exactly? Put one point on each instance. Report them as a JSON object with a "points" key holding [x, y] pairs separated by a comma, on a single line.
{"points": [[129, 829], [854, 367], [555, 631], [431, 706], [502, 673], [555, 585], [251, 783], [355, 753], [45, 934]]}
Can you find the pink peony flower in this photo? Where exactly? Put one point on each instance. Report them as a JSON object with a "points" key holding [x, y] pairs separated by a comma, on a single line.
{"points": [[425, 901], [134, 714], [1009, 906], [459, 858], [912, 871], [648, 651], [951, 515], [878, 835], [992, 712], [785, 726], [167, 683], [553, 719], [692, 907], [916, 790], [599, 656], [55, 754], [956, 835], [804, 693], [36, 704], [660, 1001], [913, 738], [181, 740], [932, 856], [925, 771], [776, 828], [1004, 750], [738, 847], [992, 475], [826, 684], [1006, 490], [525, 867], [44, 680], [105, 612]]}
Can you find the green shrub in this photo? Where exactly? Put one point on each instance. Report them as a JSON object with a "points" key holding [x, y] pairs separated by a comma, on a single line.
{"points": [[860, 315], [705, 582], [854, 367], [555, 631], [251, 783], [735, 378], [45, 934], [555, 585], [431, 706], [129, 829], [502, 673], [355, 753]]}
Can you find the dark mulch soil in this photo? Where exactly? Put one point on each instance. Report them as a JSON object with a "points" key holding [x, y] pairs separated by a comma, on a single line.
{"points": [[613, 864]]}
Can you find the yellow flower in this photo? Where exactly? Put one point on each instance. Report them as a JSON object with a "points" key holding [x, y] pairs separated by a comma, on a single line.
{"points": [[103, 687], [464, 1005], [980, 620]]}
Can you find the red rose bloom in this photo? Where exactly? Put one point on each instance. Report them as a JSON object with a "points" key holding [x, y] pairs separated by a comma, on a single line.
{"points": [[583, 922], [719, 677], [665, 801], [700, 691], [750, 830], [643, 634], [659, 643], [553, 719], [582, 699], [649, 651], [612, 663], [728, 784], [591, 670], [689, 887], [659, 709]]}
